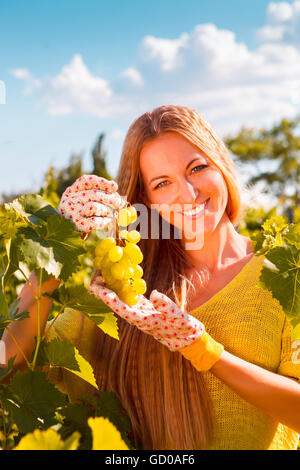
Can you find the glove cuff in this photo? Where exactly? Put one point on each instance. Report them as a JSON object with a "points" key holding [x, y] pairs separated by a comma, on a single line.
{"points": [[203, 353]]}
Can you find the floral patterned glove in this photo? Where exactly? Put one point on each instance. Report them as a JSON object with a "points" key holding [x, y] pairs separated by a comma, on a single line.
{"points": [[161, 318], [90, 202]]}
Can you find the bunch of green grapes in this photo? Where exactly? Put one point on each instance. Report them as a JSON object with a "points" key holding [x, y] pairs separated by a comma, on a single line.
{"points": [[119, 260]]}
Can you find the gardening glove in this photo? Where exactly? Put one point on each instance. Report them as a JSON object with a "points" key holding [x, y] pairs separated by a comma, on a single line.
{"points": [[161, 318], [90, 203]]}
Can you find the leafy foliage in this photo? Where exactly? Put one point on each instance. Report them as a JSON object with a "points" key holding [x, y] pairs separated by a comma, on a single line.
{"points": [[280, 243], [48, 440], [279, 148], [32, 400], [34, 237], [34, 413], [105, 435]]}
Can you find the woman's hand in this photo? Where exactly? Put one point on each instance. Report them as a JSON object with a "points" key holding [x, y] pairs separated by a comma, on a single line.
{"points": [[90, 202], [159, 316]]}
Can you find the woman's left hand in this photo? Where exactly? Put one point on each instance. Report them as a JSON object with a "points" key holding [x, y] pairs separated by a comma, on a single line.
{"points": [[159, 316]]}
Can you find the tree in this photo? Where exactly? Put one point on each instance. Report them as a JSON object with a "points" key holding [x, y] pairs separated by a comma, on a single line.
{"points": [[275, 153], [68, 175], [57, 181], [99, 156]]}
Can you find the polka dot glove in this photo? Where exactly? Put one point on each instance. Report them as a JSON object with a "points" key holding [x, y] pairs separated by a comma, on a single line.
{"points": [[159, 316], [90, 203]]}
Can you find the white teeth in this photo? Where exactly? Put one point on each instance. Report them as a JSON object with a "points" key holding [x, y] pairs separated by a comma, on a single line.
{"points": [[195, 211]]}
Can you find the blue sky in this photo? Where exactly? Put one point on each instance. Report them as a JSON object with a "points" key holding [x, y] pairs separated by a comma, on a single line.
{"points": [[74, 69]]}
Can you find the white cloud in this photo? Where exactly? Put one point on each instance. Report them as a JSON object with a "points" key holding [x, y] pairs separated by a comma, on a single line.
{"points": [[164, 51], [76, 89], [225, 80], [283, 23], [117, 134], [271, 33], [32, 83], [133, 76], [207, 69], [279, 12], [21, 74]]}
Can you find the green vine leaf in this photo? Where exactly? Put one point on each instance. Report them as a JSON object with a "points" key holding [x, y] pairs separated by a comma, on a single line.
{"points": [[5, 371], [57, 353], [32, 400], [60, 353], [281, 275], [14, 256], [54, 247], [292, 235], [31, 207], [78, 298], [9, 313]]}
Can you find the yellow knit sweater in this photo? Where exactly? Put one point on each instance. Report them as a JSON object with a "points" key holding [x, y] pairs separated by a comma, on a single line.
{"points": [[250, 324]]}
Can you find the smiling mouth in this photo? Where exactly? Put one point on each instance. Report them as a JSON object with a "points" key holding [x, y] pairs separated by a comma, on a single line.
{"points": [[195, 212]]}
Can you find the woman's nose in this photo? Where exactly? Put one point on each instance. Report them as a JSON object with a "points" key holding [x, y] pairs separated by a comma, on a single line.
{"points": [[188, 193]]}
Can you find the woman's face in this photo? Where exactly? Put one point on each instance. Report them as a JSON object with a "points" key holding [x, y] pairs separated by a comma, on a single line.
{"points": [[178, 176]]}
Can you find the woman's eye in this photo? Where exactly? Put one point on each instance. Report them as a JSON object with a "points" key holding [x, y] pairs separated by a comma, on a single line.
{"points": [[197, 168], [159, 184]]}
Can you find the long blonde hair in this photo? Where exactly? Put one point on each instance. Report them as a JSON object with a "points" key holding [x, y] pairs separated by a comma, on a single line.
{"points": [[163, 394]]}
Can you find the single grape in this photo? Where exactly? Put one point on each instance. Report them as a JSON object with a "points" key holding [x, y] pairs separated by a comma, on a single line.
{"points": [[132, 214], [131, 299], [126, 259], [134, 252], [138, 271], [123, 233], [116, 285], [97, 262], [107, 275], [115, 253], [126, 287], [129, 272], [139, 286], [133, 236], [117, 270], [105, 262], [105, 245], [124, 217], [99, 252]]}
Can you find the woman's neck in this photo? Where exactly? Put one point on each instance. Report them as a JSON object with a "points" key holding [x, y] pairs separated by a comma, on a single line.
{"points": [[221, 248]]}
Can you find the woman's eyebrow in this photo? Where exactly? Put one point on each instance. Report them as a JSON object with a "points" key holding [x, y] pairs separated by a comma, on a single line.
{"points": [[166, 176]]}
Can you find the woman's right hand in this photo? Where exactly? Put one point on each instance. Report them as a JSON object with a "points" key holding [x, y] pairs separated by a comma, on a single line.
{"points": [[90, 202]]}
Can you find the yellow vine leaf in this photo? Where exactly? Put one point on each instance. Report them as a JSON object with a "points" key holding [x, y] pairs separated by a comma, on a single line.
{"points": [[47, 440], [86, 371], [105, 435]]}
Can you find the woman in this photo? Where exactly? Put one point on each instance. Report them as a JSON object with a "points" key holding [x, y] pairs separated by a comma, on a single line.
{"points": [[231, 382]]}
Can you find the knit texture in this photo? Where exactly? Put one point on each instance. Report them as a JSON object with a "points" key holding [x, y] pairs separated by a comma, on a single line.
{"points": [[251, 324]]}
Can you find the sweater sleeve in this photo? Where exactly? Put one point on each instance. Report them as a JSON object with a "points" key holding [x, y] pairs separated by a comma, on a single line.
{"points": [[76, 328], [290, 353]]}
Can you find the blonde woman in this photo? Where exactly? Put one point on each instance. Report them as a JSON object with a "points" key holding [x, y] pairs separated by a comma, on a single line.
{"points": [[204, 359]]}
